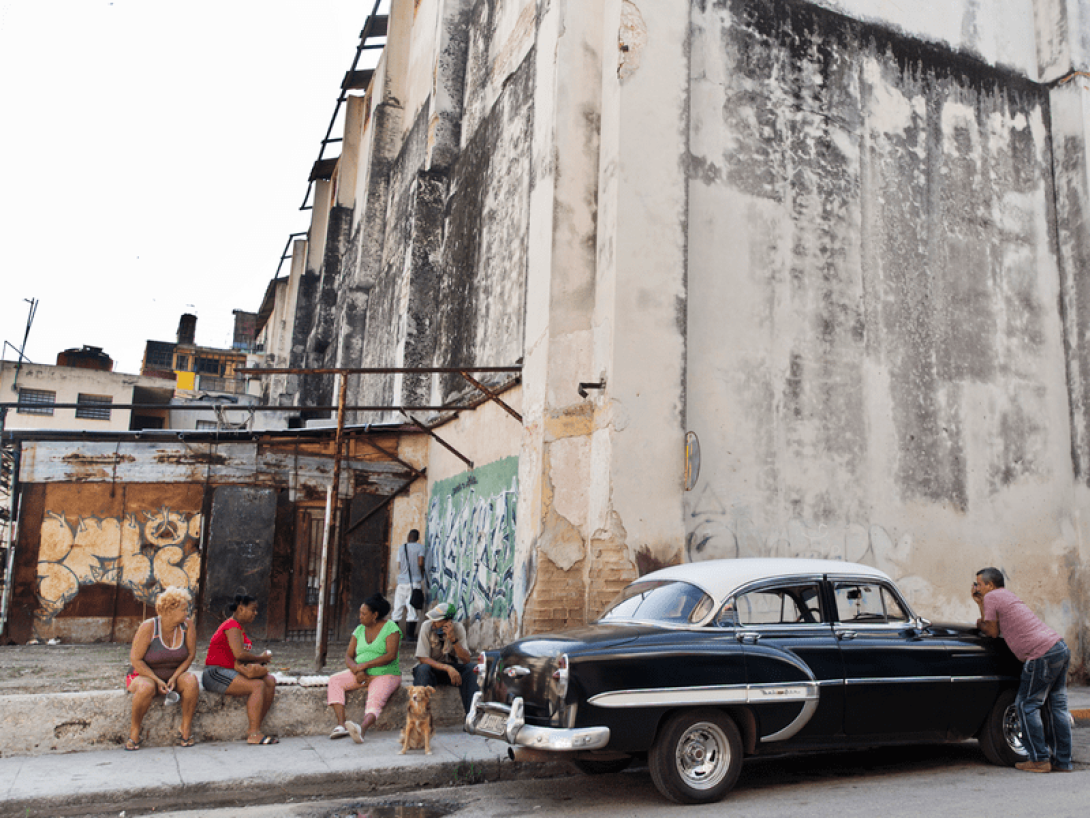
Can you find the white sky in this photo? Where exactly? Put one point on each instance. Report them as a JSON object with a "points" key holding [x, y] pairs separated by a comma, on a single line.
{"points": [[153, 158]]}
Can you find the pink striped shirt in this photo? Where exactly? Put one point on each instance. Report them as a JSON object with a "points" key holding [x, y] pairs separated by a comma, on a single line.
{"points": [[1026, 635]]}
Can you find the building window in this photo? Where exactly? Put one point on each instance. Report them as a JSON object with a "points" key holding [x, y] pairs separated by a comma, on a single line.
{"points": [[160, 358], [209, 366], [183, 364], [94, 407], [36, 402], [207, 425]]}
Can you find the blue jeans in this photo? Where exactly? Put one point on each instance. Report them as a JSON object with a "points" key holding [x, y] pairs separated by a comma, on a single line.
{"points": [[1042, 707]]}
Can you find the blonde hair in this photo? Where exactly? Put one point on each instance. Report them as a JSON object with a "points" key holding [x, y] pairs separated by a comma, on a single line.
{"points": [[172, 599]]}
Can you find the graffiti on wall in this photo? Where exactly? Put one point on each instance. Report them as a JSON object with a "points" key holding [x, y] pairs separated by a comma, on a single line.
{"points": [[471, 540], [142, 552]]}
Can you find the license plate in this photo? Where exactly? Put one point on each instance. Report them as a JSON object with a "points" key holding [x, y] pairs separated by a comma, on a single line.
{"points": [[492, 723]]}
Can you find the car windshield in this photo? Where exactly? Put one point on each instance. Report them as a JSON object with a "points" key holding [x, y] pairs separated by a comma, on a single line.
{"points": [[665, 602]]}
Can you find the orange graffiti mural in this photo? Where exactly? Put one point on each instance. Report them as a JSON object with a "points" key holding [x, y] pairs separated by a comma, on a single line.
{"points": [[142, 552]]}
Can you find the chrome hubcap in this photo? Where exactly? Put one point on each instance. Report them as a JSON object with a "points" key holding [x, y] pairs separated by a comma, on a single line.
{"points": [[1012, 731], [702, 755]]}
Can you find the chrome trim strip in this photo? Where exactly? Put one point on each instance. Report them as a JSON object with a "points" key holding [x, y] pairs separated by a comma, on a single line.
{"points": [[897, 680], [661, 696], [980, 678], [710, 694], [800, 721]]}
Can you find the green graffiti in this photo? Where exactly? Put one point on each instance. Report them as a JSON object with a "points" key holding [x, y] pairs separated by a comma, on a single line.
{"points": [[471, 540]]}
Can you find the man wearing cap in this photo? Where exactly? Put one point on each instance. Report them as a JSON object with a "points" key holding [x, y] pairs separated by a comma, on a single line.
{"points": [[444, 655], [1042, 695]]}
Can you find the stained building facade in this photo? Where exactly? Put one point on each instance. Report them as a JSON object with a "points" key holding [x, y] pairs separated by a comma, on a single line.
{"points": [[842, 242]]}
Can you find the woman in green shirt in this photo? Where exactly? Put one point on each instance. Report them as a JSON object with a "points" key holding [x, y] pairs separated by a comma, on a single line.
{"points": [[372, 662]]}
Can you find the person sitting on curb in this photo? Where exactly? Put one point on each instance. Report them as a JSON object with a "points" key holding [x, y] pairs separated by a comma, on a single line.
{"points": [[372, 662], [163, 648], [1045, 658], [231, 668], [444, 655]]}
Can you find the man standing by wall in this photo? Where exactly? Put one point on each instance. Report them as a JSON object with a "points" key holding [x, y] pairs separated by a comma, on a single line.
{"points": [[444, 655], [410, 577], [1042, 696]]}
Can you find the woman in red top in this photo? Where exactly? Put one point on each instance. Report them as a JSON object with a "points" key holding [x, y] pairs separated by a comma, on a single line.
{"points": [[229, 645]]}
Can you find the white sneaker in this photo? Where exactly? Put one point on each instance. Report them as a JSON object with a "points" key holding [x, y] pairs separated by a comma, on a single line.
{"points": [[354, 731]]}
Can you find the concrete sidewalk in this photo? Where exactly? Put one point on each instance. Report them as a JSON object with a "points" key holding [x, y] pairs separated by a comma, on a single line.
{"points": [[226, 773]]}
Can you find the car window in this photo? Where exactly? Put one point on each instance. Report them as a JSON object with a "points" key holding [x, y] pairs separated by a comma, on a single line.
{"points": [[867, 602], [666, 601], [773, 606]]}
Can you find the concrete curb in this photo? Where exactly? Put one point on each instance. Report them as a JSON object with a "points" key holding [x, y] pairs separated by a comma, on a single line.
{"points": [[71, 722]]}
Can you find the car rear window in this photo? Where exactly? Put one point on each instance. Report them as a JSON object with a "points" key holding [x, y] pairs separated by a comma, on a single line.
{"points": [[665, 601]]}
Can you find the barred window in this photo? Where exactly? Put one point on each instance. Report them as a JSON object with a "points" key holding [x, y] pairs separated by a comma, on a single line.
{"points": [[36, 402], [92, 407]]}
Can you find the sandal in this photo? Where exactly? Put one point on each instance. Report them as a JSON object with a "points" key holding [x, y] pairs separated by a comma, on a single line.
{"points": [[187, 741], [354, 731], [131, 745], [264, 739], [339, 732]]}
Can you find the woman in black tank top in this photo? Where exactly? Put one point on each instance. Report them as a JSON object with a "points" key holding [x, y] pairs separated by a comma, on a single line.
{"points": [[162, 651]]}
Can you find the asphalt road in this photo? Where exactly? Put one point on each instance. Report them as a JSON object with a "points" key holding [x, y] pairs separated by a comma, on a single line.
{"points": [[942, 780]]}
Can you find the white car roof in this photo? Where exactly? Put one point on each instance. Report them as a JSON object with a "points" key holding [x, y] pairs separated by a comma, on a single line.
{"points": [[718, 578]]}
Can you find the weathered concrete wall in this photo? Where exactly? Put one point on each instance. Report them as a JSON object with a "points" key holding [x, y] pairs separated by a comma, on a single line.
{"points": [[842, 240], [68, 383], [876, 363]]}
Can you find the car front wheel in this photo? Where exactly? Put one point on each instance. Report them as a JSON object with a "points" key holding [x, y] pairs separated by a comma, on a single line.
{"points": [[696, 757], [1001, 736]]}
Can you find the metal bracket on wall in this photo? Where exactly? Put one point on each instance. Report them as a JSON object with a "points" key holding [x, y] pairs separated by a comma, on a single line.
{"points": [[492, 396], [583, 387], [438, 439]]}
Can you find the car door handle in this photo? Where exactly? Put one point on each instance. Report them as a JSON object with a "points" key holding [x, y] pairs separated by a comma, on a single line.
{"points": [[517, 670], [748, 637], [847, 636]]}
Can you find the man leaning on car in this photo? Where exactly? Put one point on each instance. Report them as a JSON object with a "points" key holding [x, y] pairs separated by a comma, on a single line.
{"points": [[1042, 696]]}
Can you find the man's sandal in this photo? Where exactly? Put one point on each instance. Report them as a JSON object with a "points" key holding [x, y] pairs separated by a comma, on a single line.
{"points": [[264, 739], [131, 745], [187, 741]]}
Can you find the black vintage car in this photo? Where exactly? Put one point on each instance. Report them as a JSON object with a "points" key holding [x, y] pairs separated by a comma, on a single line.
{"points": [[696, 666]]}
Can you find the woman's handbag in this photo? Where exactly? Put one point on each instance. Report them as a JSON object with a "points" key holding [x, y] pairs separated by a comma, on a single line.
{"points": [[252, 670]]}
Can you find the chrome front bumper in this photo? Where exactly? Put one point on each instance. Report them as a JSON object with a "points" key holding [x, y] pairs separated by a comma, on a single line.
{"points": [[494, 720]]}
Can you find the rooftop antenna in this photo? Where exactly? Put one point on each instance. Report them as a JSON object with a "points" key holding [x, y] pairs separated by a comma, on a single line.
{"points": [[33, 302]]}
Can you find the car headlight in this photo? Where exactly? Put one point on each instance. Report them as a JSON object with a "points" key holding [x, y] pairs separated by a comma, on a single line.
{"points": [[560, 675], [481, 670]]}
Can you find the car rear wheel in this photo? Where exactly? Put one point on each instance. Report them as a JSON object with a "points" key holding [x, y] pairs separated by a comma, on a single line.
{"points": [[593, 766], [1001, 735], [696, 757]]}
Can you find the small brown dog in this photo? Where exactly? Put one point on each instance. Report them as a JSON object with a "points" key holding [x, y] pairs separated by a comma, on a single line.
{"points": [[418, 728]]}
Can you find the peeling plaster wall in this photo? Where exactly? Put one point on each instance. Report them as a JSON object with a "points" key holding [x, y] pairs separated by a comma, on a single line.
{"points": [[876, 354], [997, 32]]}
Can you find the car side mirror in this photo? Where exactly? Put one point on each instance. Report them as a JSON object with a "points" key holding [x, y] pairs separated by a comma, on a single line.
{"points": [[922, 624]]}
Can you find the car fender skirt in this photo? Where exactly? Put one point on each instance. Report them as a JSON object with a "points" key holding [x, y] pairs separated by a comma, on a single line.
{"points": [[807, 693]]}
